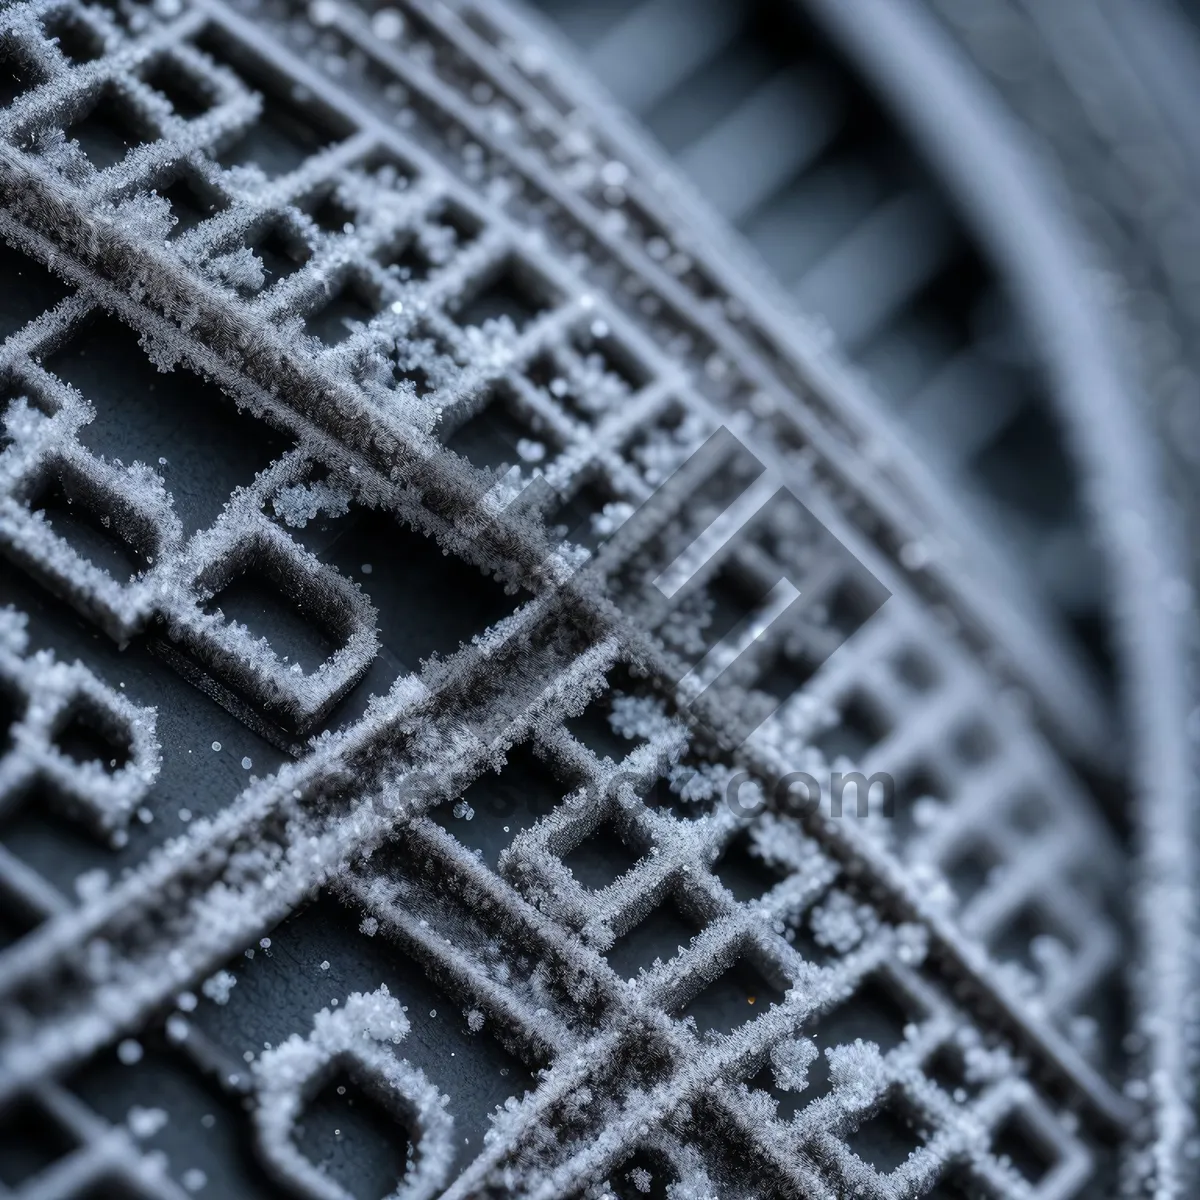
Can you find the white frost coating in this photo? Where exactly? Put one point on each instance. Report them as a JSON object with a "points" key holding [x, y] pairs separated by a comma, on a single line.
{"points": [[194, 1179], [841, 923], [640, 717], [203, 897], [611, 517], [641, 1179], [297, 504], [89, 885], [105, 794], [241, 269], [145, 1122], [218, 987], [790, 1060], [129, 1051], [857, 1071], [357, 1037]]}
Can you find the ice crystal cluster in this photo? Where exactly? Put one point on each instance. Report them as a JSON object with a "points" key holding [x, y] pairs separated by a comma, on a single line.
{"points": [[377, 843]]}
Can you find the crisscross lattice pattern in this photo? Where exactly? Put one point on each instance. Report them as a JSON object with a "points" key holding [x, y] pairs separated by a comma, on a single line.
{"points": [[341, 287]]}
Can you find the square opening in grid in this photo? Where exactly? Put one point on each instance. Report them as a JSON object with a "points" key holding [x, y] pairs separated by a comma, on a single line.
{"points": [[17, 74], [192, 201], [589, 516], [410, 258], [874, 1012], [289, 130], [410, 378], [352, 303], [27, 289], [181, 425], [599, 380], [282, 251], [947, 1067], [855, 600], [186, 94], [87, 733], [497, 807], [329, 213], [462, 226], [973, 743], [643, 1176], [499, 436], [885, 1138], [729, 599], [421, 363], [601, 728], [744, 871], [656, 448], [915, 669], [1030, 936], [686, 794], [601, 858], [1029, 812], [109, 129], [785, 671], [76, 40], [859, 726], [1018, 1144], [740, 993], [970, 868], [400, 569], [513, 290], [604, 352], [263, 601], [661, 935], [31, 1140], [115, 542], [419, 252], [354, 1139]]}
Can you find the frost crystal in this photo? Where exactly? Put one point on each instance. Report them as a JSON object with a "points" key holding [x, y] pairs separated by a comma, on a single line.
{"points": [[145, 1122], [790, 1061], [130, 1051], [219, 986]]}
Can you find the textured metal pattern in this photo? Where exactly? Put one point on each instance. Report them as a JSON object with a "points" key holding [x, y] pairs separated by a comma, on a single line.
{"points": [[773, 125], [1105, 93], [1102, 95], [448, 252]]}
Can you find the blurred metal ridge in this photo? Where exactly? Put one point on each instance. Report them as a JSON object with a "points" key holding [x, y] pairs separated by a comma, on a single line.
{"points": [[1011, 202], [1064, 685]]}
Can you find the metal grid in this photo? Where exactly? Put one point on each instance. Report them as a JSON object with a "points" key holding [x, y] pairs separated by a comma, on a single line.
{"points": [[485, 321], [1139, 216], [771, 124]]}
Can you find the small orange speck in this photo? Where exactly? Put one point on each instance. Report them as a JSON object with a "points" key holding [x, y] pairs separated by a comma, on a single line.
{"points": [[750, 999]]}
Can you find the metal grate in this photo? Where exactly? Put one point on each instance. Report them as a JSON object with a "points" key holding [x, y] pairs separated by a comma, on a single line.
{"points": [[772, 125], [396, 234]]}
